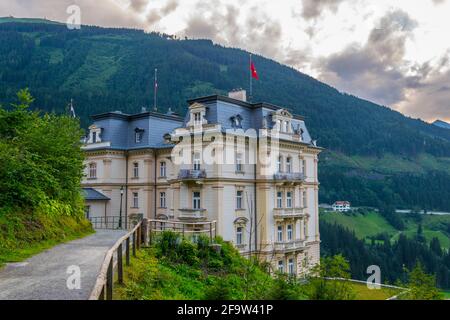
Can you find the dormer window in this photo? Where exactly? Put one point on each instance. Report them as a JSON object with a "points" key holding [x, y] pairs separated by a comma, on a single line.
{"points": [[197, 113], [138, 134], [94, 134], [197, 118], [236, 121]]}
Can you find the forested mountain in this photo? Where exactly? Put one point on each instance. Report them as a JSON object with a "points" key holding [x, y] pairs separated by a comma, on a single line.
{"points": [[112, 69], [442, 124]]}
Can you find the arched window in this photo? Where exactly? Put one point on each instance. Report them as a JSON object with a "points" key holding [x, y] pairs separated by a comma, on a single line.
{"points": [[239, 235], [92, 170]]}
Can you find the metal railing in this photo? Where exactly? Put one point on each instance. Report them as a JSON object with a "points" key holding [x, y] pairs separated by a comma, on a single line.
{"points": [[113, 222], [191, 174], [186, 229], [293, 176], [103, 288]]}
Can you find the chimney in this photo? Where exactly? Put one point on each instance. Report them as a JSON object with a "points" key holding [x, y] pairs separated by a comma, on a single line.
{"points": [[238, 94]]}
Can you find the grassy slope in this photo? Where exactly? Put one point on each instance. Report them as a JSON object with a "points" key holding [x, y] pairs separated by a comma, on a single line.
{"points": [[150, 278], [373, 223], [24, 236]]}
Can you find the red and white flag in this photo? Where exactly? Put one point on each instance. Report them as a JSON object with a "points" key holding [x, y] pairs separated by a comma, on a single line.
{"points": [[253, 70]]}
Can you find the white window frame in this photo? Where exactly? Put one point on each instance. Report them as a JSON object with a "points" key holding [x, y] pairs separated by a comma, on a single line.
{"points": [[280, 233], [305, 199], [291, 269], [239, 198], [279, 199], [137, 137], [239, 235], [239, 167], [288, 165], [196, 200], [162, 169], [135, 199], [281, 266], [162, 199], [92, 170], [196, 162], [289, 199], [197, 118], [135, 170], [280, 164], [290, 232]]}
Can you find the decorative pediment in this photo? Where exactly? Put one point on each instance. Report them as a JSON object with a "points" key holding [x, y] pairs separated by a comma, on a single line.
{"points": [[283, 113]]}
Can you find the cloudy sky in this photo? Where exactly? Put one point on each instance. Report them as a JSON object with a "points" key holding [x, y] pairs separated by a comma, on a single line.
{"points": [[393, 52]]}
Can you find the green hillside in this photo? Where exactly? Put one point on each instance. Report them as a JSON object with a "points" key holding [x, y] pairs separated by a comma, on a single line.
{"points": [[375, 156], [372, 224]]}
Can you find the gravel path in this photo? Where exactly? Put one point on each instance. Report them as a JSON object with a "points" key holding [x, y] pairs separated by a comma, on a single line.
{"points": [[44, 276]]}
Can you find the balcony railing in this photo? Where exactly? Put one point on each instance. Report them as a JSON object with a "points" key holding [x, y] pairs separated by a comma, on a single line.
{"points": [[281, 213], [289, 245], [293, 176], [188, 174], [192, 214]]}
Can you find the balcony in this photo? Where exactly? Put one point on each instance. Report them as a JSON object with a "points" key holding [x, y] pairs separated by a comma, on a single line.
{"points": [[288, 213], [192, 214], [287, 246], [289, 178], [191, 175]]}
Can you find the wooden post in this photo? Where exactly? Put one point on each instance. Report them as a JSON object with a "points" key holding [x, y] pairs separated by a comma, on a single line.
{"points": [[109, 281], [150, 232], [145, 232], [183, 230], [120, 264], [134, 244], [139, 237], [102, 294], [210, 232], [127, 251]]}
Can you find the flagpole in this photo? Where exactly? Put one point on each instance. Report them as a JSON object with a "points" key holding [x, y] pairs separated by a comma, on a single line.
{"points": [[251, 80], [155, 88]]}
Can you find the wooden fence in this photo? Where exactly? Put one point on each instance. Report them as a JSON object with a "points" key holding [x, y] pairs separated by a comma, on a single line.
{"points": [[103, 288]]}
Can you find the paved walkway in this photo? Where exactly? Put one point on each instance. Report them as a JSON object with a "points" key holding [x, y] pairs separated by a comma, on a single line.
{"points": [[44, 276]]}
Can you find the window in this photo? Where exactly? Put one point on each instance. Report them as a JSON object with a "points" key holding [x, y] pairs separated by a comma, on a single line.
{"points": [[281, 266], [280, 233], [239, 199], [289, 232], [289, 199], [280, 164], [291, 266], [303, 166], [239, 235], [196, 200], [279, 125], [239, 162], [137, 136], [94, 137], [196, 161], [288, 165], [285, 126], [162, 169], [305, 200], [135, 200], [162, 199], [197, 118], [135, 170], [279, 199], [92, 170]]}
